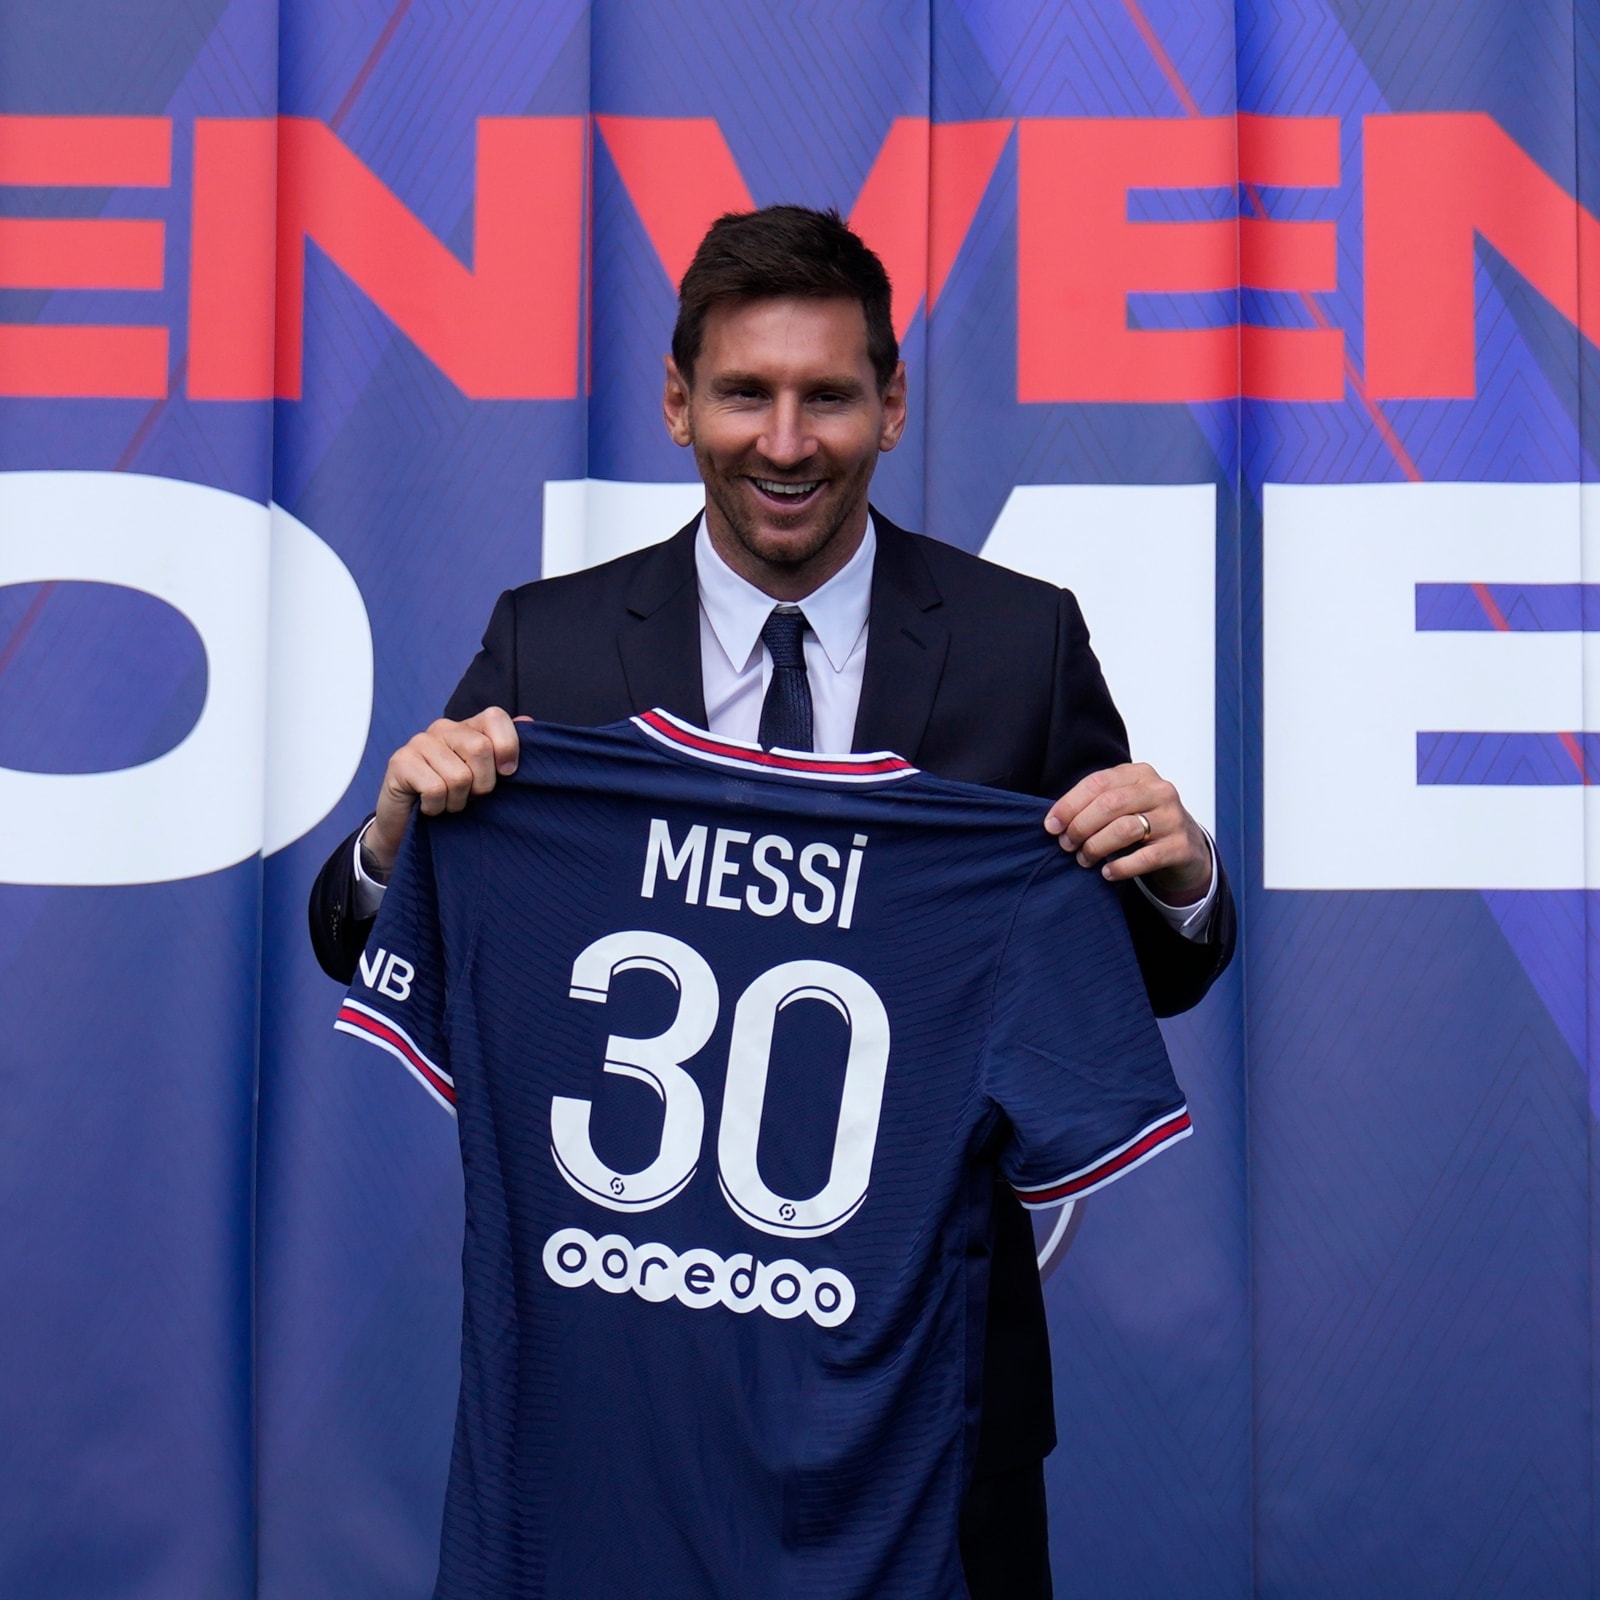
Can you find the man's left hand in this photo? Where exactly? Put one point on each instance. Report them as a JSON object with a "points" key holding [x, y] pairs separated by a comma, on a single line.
{"points": [[1133, 810]]}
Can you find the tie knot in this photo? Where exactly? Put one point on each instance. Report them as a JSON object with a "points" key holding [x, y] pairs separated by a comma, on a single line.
{"points": [[783, 633]]}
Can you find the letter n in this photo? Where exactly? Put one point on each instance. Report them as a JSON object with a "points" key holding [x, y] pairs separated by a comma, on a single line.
{"points": [[1434, 182], [504, 329]]}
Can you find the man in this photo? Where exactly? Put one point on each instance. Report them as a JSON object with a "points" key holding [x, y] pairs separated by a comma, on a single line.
{"points": [[794, 613]]}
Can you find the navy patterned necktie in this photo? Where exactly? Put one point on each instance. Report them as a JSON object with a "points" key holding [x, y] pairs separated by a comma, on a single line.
{"points": [[786, 712]]}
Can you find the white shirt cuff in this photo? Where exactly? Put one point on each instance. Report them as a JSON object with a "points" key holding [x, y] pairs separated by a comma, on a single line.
{"points": [[1192, 921], [367, 895]]}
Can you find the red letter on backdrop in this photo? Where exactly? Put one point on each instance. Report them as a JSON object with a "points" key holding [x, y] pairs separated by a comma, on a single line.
{"points": [[97, 253], [914, 208], [961, 163], [680, 175], [1433, 182], [1079, 258], [86, 152], [891, 215], [231, 258], [505, 330], [1289, 363], [41, 360]]}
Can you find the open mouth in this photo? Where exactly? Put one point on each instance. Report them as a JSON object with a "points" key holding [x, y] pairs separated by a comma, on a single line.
{"points": [[787, 495]]}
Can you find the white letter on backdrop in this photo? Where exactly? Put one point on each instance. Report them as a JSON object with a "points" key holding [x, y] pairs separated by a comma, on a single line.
{"points": [[254, 584]]}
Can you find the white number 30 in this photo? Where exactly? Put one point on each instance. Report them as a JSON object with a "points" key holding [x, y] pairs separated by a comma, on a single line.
{"points": [[658, 1062]]}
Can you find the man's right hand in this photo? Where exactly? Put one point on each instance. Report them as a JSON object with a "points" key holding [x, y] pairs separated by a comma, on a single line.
{"points": [[440, 770]]}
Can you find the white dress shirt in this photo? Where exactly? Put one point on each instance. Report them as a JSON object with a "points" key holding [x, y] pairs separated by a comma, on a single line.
{"points": [[735, 669]]}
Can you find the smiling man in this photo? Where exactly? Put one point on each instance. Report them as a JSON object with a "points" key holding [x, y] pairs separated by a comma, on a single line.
{"points": [[795, 615]]}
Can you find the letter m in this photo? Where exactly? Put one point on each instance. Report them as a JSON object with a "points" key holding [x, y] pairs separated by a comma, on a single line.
{"points": [[1434, 182], [661, 854], [504, 329]]}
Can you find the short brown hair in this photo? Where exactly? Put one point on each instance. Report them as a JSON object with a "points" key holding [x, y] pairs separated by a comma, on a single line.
{"points": [[777, 253]]}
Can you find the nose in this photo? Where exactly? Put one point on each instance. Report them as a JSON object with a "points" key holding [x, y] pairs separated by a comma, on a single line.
{"points": [[786, 441]]}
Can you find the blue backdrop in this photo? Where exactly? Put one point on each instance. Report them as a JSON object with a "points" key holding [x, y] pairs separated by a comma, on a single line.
{"points": [[1268, 326]]}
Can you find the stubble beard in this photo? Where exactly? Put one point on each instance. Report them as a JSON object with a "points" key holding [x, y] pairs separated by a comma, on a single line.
{"points": [[740, 520]]}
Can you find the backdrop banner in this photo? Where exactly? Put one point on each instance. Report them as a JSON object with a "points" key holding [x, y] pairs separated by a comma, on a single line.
{"points": [[1267, 326]]}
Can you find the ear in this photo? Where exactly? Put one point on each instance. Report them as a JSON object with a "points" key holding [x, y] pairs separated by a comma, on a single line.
{"points": [[894, 409], [675, 405]]}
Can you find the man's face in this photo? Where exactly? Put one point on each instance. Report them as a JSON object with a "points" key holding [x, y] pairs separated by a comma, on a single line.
{"points": [[786, 423]]}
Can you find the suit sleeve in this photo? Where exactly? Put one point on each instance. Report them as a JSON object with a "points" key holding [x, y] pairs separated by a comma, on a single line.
{"points": [[1086, 735], [491, 680], [338, 936]]}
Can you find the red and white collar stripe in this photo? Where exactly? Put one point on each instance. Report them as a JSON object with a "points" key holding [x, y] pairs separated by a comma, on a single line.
{"points": [[880, 767]]}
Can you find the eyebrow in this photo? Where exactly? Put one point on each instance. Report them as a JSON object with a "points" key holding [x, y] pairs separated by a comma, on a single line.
{"points": [[751, 380]]}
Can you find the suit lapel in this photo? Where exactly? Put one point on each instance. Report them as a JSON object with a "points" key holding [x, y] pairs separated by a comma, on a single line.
{"points": [[660, 637], [907, 641]]}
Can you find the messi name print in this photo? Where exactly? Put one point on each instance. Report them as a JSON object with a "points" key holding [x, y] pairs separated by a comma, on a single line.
{"points": [[737, 1040]]}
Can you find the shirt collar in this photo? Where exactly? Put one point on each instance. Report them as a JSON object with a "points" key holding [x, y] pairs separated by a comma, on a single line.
{"points": [[737, 610]]}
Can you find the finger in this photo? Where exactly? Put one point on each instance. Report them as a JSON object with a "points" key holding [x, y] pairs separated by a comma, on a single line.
{"points": [[1105, 811], [1183, 852], [1150, 797], [502, 732], [1136, 863], [438, 777], [412, 781], [1120, 834], [1066, 816], [397, 799], [459, 777], [1060, 817], [472, 745]]}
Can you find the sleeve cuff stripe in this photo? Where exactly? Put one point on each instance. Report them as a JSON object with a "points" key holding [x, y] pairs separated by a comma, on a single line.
{"points": [[405, 1039], [368, 1025], [1150, 1141]]}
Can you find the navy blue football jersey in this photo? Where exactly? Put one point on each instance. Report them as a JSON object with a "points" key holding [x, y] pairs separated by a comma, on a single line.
{"points": [[737, 1041]]}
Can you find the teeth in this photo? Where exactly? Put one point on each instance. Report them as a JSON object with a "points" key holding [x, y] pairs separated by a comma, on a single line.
{"points": [[793, 491]]}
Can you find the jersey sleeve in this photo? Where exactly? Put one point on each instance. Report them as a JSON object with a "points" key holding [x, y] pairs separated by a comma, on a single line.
{"points": [[1075, 1060], [397, 1001]]}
